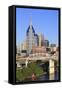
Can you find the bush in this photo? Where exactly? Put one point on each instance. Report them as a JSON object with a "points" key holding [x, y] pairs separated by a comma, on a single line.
{"points": [[24, 73]]}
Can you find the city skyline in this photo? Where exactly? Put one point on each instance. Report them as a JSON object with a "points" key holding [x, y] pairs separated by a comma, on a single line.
{"points": [[23, 20]]}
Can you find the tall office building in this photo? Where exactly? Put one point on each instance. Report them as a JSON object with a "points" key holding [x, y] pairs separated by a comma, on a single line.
{"points": [[23, 45], [32, 38], [52, 45], [41, 40], [46, 43], [36, 39], [18, 49]]}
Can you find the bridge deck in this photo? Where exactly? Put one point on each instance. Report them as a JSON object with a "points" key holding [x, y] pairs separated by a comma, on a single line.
{"points": [[37, 58]]}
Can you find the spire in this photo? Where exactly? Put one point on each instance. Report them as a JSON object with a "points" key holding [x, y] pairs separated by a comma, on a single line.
{"points": [[30, 22]]}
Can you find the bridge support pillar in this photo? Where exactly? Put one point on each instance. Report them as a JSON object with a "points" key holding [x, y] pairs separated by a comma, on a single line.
{"points": [[26, 63], [51, 70]]}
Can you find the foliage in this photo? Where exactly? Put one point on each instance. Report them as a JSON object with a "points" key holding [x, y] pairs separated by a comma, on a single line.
{"points": [[22, 74]]}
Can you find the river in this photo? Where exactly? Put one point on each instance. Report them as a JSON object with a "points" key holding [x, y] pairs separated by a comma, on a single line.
{"points": [[48, 77]]}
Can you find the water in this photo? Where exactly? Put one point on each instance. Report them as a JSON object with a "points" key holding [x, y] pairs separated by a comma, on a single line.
{"points": [[46, 76], [49, 77]]}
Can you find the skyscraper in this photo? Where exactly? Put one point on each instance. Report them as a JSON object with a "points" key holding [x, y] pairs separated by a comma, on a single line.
{"points": [[36, 39], [41, 40], [31, 38], [18, 49], [23, 45], [46, 43]]}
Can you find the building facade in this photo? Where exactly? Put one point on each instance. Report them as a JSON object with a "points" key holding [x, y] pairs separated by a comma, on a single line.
{"points": [[41, 40], [32, 38]]}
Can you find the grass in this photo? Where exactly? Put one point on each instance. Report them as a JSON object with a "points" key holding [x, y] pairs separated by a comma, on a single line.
{"points": [[22, 74]]}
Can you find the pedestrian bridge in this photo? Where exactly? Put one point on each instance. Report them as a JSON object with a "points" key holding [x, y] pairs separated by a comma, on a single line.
{"points": [[37, 57]]}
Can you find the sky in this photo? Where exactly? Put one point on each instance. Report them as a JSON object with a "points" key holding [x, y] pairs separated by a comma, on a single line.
{"points": [[44, 21]]}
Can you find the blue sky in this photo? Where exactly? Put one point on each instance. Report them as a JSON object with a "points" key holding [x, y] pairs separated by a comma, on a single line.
{"points": [[44, 21]]}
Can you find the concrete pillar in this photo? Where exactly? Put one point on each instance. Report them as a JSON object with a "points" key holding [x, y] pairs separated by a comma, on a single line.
{"points": [[51, 70], [26, 63]]}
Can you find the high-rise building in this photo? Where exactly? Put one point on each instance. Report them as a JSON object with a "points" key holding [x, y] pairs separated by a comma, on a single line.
{"points": [[36, 40], [32, 38], [39, 36], [53, 45], [23, 45], [46, 43], [18, 49], [41, 40]]}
